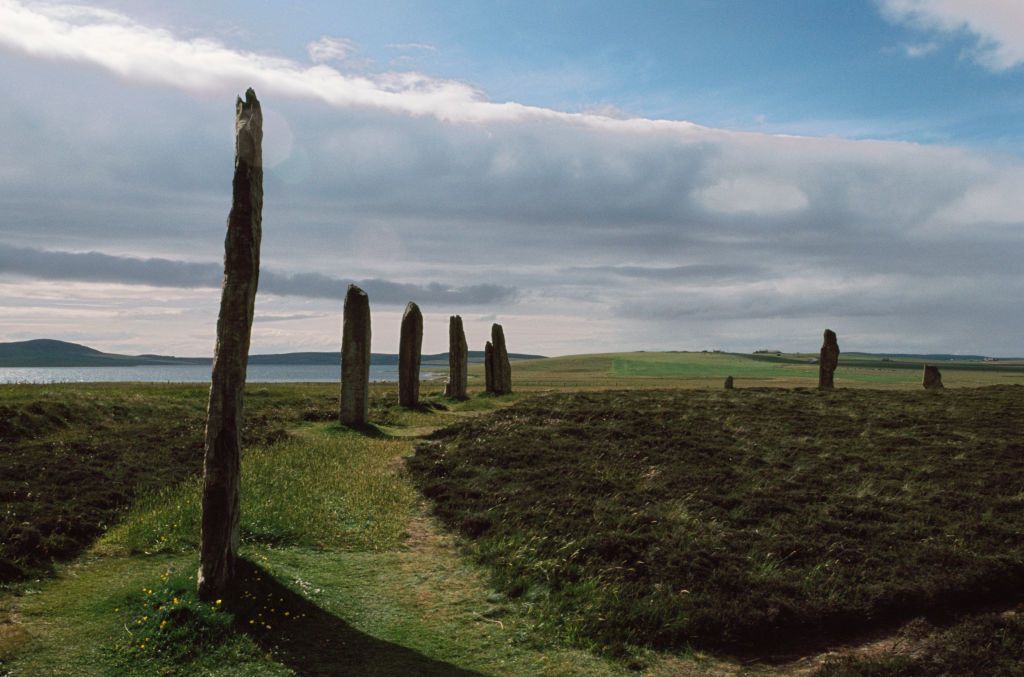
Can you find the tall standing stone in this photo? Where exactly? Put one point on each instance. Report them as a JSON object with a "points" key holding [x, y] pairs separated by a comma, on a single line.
{"points": [[458, 359], [728, 383], [355, 358], [828, 361], [489, 367], [221, 465], [409, 356], [932, 378], [501, 368]]}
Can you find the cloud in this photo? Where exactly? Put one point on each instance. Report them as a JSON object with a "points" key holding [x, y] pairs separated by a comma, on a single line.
{"points": [[996, 26], [580, 219], [691, 272], [752, 195], [330, 49], [157, 56], [411, 46], [156, 272], [921, 49]]}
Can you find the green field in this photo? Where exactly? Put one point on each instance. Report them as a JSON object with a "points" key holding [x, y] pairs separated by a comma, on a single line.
{"points": [[700, 370], [347, 566]]}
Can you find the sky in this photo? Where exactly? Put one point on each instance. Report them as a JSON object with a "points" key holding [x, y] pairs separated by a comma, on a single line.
{"points": [[595, 176]]}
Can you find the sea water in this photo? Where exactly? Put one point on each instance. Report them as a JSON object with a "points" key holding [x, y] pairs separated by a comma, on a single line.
{"points": [[192, 373]]}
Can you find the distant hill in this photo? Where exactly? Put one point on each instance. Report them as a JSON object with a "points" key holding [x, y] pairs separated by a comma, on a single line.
{"points": [[52, 353]]}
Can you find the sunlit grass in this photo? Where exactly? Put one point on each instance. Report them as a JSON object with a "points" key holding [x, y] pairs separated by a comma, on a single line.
{"points": [[325, 487]]}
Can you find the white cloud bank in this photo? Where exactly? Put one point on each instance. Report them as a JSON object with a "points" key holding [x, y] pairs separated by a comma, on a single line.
{"points": [[156, 56], [701, 237], [997, 26]]}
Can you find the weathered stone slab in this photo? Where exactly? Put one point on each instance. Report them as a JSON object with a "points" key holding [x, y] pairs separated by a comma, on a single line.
{"points": [[501, 368], [728, 383], [355, 358], [489, 367], [409, 357], [218, 548], [932, 378], [458, 359], [828, 361]]}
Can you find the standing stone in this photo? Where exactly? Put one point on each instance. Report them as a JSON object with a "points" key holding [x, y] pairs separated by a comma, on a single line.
{"points": [[355, 358], [489, 367], [932, 378], [828, 361], [728, 382], [221, 465], [500, 367], [409, 357], [458, 359]]}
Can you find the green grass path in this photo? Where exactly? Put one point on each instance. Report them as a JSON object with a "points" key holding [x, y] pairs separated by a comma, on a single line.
{"points": [[335, 532]]}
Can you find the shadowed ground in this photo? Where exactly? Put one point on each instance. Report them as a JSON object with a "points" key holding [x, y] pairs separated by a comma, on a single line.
{"points": [[311, 641]]}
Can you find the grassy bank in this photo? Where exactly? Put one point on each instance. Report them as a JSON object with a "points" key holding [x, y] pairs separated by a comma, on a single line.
{"points": [[741, 519]]}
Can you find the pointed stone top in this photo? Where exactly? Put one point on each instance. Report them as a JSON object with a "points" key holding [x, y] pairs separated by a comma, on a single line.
{"points": [[354, 290], [411, 309], [249, 105], [249, 130], [830, 335]]}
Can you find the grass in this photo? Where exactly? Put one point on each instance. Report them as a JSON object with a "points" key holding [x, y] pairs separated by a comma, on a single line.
{"points": [[341, 570], [72, 457], [739, 520], [301, 491], [987, 644], [335, 534], [702, 370]]}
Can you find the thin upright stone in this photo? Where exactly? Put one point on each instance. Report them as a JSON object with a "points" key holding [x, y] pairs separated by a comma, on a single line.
{"points": [[828, 361], [502, 369], [489, 367], [355, 358], [409, 347], [458, 359], [218, 542]]}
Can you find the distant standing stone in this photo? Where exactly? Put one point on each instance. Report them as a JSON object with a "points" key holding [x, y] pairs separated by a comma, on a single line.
{"points": [[458, 359], [932, 378], [355, 358], [409, 357], [501, 369], [218, 539], [489, 367], [728, 382], [828, 361]]}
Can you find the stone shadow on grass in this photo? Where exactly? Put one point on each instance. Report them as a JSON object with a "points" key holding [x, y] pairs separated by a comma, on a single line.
{"points": [[365, 429], [311, 641]]}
